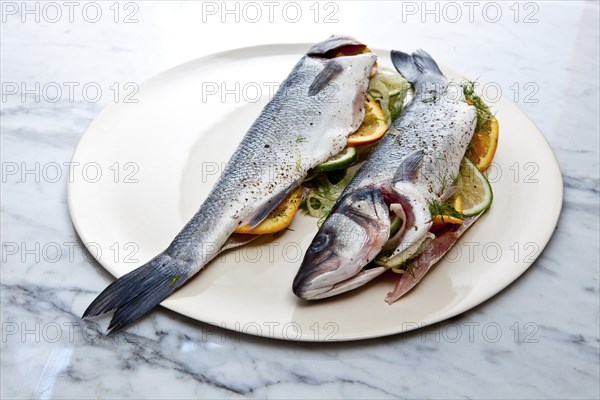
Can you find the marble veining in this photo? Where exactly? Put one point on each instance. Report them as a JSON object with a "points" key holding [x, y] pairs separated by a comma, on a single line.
{"points": [[548, 319]]}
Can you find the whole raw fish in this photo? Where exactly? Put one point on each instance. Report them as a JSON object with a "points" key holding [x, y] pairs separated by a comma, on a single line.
{"points": [[308, 120], [415, 164]]}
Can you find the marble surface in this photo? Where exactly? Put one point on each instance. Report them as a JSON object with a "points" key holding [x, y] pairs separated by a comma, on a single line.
{"points": [[548, 319]]}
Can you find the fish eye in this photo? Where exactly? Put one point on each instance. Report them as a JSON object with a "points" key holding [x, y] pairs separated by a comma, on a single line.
{"points": [[321, 241]]}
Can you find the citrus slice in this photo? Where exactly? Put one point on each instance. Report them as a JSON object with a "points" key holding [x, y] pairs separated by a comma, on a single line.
{"points": [[483, 144], [457, 203], [279, 219], [374, 125], [447, 212], [341, 161], [353, 50], [475, 190], [445, 219]]}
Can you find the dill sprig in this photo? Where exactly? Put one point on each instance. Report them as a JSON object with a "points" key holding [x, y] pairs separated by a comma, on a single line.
{"points": [[443, 207], [303, 207], [441, 174], [408, 267], [483, 111]]}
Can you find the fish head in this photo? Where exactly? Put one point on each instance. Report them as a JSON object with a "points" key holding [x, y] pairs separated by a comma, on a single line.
{"points": [[348, 240]]}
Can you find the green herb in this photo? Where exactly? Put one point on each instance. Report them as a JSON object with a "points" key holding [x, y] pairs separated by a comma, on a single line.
{"points": [[395, 107], [439, 207], [303, 207], [408, 267], [300, 139], [174, 279], [443, 177], [323, 194], [389, 89], [315, 203], [483, 111]]}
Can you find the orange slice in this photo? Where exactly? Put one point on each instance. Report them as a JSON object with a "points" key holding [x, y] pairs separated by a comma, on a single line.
{"points": [[351, 50], [457, 204], [483, 145], [373, 127], [445, 219], [279, 219]]}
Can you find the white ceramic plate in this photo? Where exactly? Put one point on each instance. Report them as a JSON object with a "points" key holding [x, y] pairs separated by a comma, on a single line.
{"points": [[169, 147]]}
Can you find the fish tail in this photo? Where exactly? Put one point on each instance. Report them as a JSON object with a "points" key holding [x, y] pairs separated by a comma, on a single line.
{"points": [[417, 66], [142, 289]]}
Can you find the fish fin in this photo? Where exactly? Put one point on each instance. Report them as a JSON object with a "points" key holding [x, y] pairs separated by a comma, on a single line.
{"points": [[425, 63], [238, 239], [404, 63], [449, 192], [414, 67], [331, 70], [271, 204], [407, 171], [139, 291]]}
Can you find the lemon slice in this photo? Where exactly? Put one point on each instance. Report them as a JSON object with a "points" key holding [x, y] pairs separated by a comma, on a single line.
{"points": [[457, 203], [475, 190]]}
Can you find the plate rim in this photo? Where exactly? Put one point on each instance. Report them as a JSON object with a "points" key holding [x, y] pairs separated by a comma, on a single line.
{"points": [[294, 48]]}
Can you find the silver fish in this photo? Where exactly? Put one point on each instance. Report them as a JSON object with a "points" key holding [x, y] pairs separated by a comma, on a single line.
{"points": [[415, 163], [308, 120]]}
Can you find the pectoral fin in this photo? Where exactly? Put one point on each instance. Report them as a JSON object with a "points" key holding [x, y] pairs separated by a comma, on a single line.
{"points": [[271, 204], [409, 168], [331, 70], [237, 240]]}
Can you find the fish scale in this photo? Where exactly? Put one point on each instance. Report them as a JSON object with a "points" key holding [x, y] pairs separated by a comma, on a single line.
{"points": [[442, 130]]}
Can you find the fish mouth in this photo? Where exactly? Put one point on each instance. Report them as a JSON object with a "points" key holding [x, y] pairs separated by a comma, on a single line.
{"points": [[303, 286], [346, 243], [310, 282]]}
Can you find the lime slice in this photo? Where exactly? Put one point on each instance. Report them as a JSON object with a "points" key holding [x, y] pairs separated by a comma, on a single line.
{"points": [[475, 190], [340, 161]]}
